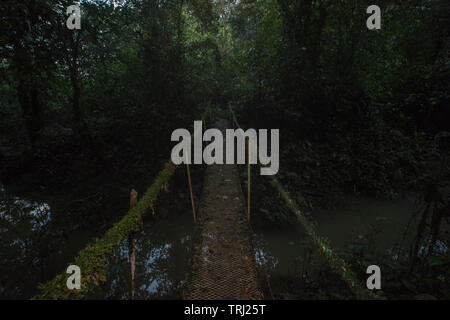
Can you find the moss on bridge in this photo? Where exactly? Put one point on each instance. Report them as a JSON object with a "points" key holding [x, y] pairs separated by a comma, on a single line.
{"points": [[93, 259]]}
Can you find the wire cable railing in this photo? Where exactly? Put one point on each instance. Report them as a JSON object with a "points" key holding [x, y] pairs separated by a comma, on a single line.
{"points": [[337, 264], [94, 258]]}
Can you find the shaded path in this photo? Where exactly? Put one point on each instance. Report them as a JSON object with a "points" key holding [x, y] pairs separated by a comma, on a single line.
{"points": [[223, 264]]}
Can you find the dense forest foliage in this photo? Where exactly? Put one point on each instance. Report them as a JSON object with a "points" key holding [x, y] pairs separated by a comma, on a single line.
{"points": [[360, 111], [107, 95]]}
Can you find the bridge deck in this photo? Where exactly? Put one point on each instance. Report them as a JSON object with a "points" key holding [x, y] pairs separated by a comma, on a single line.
{"points": [[223, 264]]}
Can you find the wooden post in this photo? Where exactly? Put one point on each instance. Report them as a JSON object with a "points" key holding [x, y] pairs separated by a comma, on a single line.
{"points": [[190, 187], [210, 115], [131, 247], [249, 181], [190, 191]]}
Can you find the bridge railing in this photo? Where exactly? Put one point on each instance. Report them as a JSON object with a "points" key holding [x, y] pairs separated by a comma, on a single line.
{"points": [[336, 263], [93, 259]]}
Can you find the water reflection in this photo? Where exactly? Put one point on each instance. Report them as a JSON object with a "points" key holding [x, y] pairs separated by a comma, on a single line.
{"points": [[35, 246], [23, 225], [163, 250], [15, 211], [380, 222], [279, 251]]}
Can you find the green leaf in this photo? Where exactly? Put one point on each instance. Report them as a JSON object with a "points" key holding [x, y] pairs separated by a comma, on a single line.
{"points": [[435, 261]]}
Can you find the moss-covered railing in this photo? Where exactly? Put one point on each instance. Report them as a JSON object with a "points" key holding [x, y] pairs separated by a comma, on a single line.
{"points": [[93, 260], [336, 263]]}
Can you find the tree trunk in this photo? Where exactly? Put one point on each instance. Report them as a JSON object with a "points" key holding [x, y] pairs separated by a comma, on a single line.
{"points": [[30, 103], [79, 125]]}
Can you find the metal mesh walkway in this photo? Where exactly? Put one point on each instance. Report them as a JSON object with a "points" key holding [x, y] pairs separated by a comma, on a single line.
{"points": [[223, 265]]}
